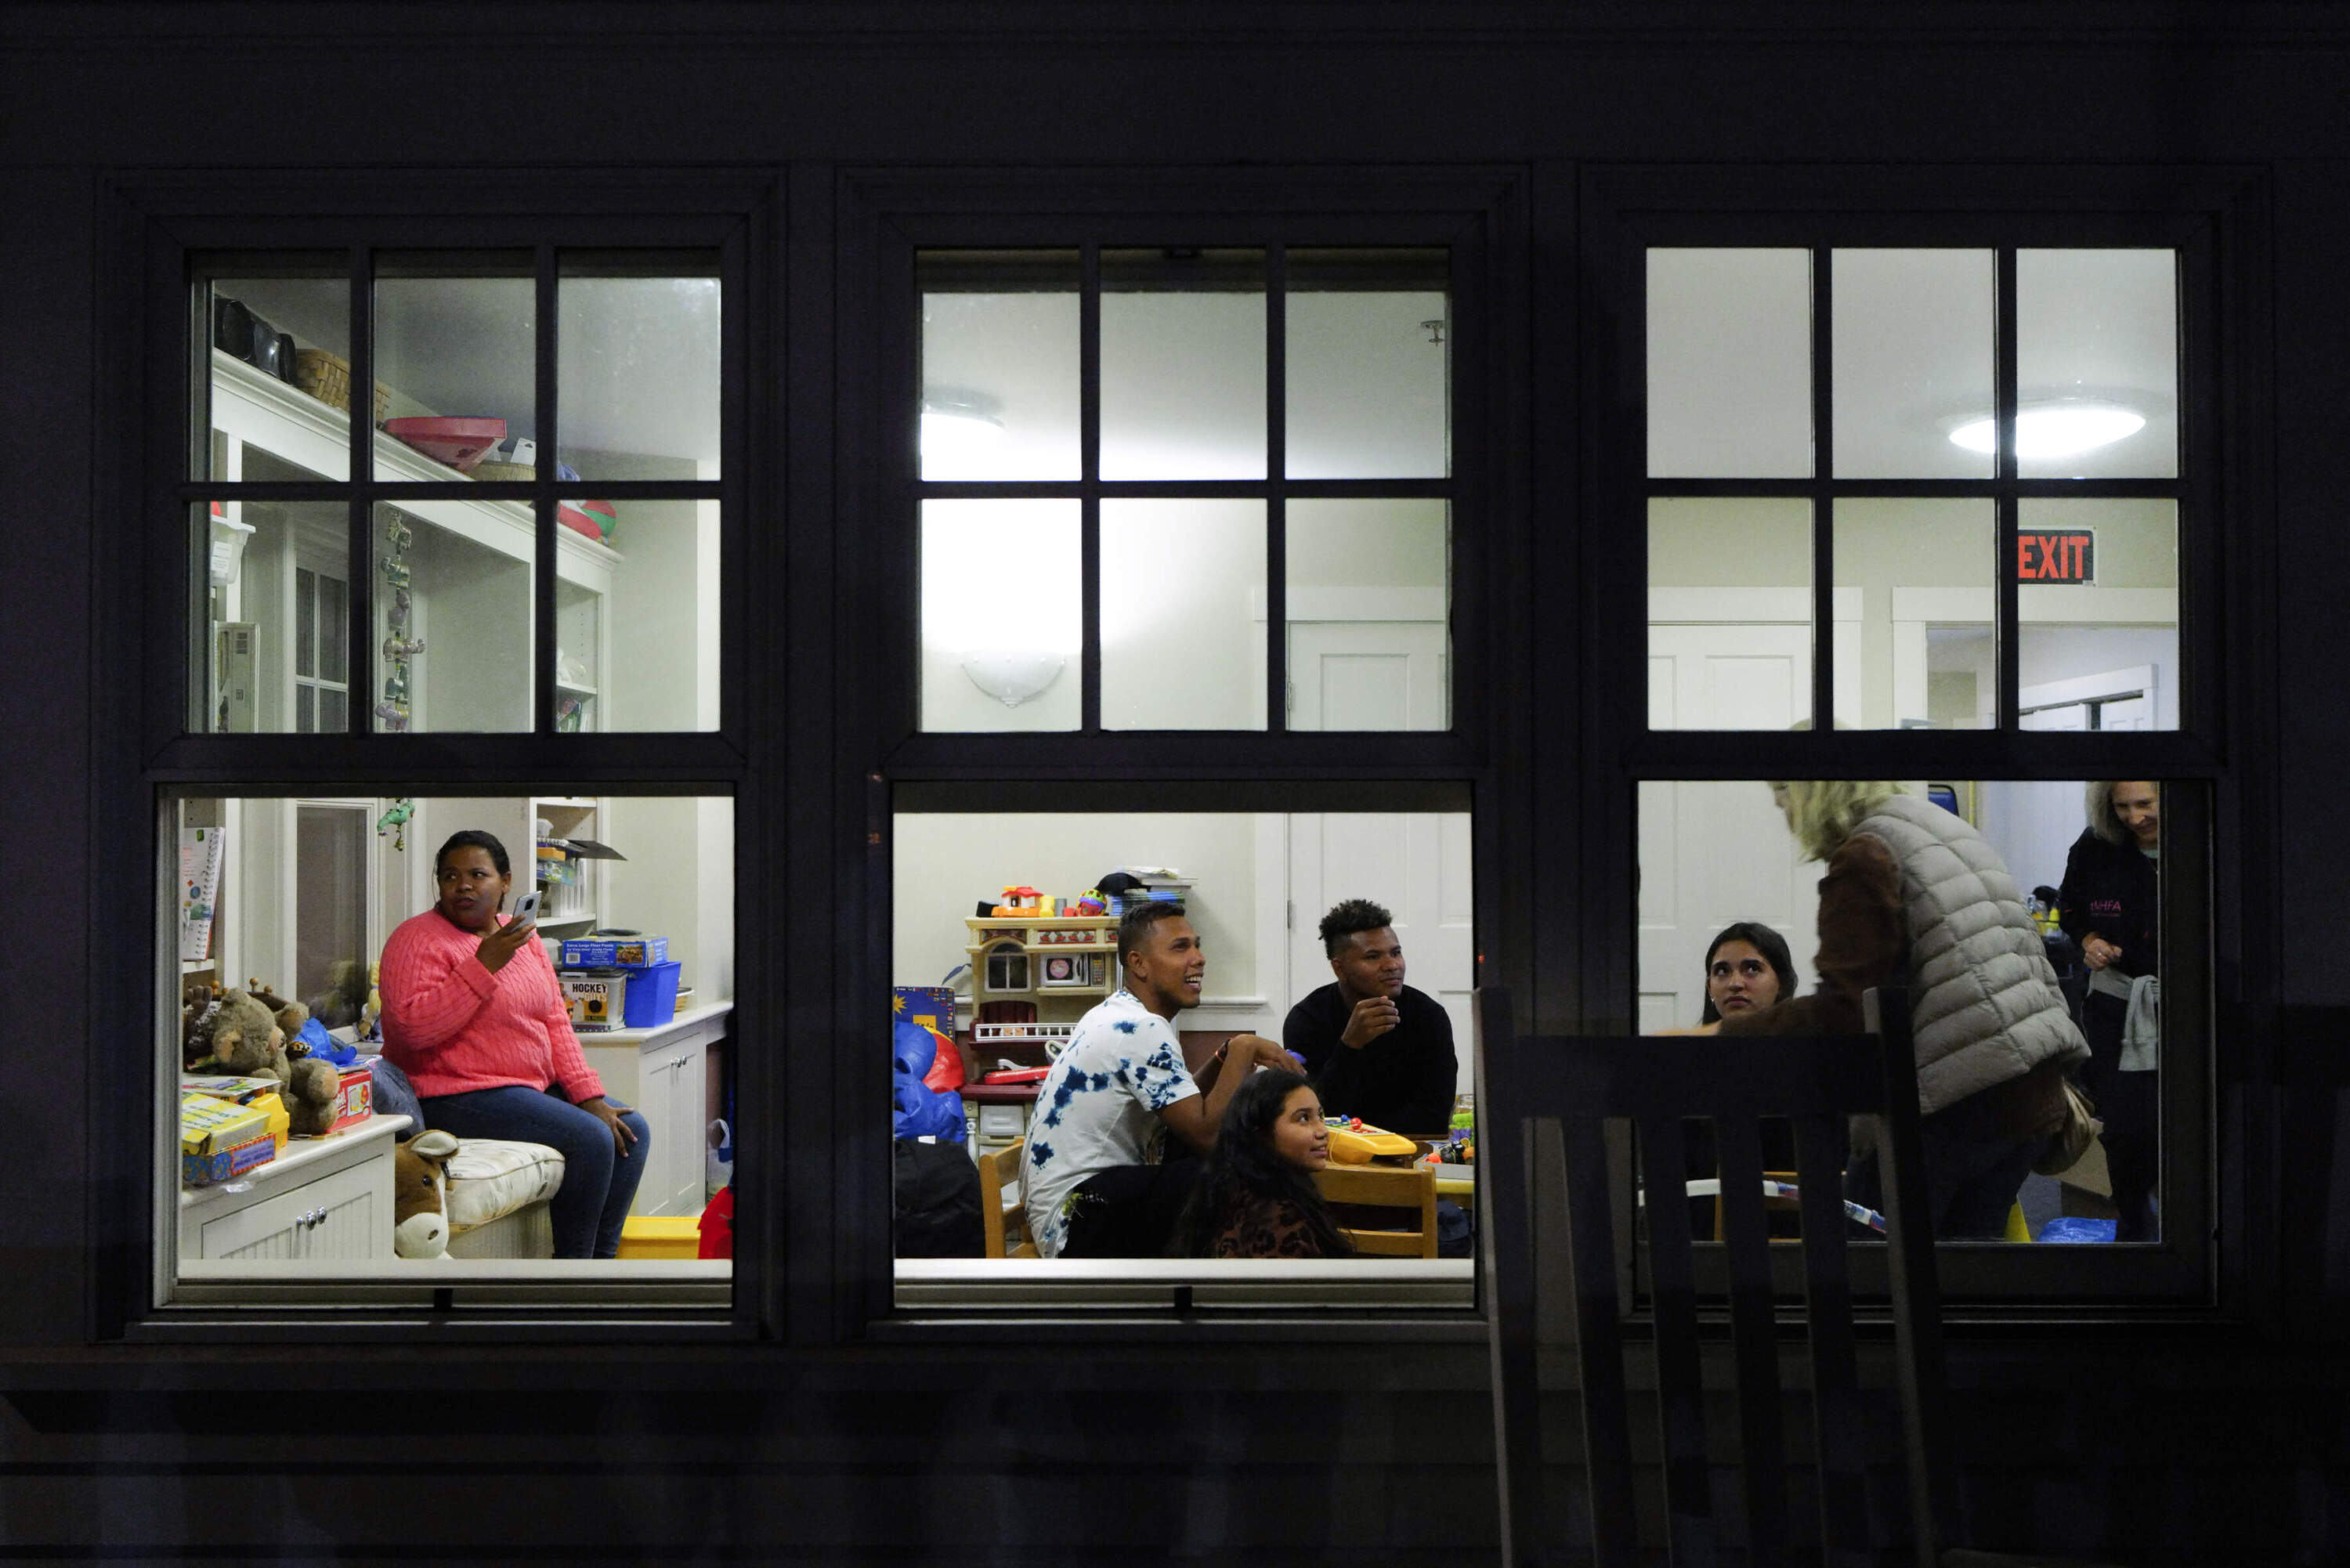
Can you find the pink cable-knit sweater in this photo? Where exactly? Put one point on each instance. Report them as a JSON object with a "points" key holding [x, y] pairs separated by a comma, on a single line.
{"points": [[453, 1026]]}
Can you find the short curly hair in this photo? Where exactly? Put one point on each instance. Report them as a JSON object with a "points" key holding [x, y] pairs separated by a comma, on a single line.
{"points": [[1346, 919]]}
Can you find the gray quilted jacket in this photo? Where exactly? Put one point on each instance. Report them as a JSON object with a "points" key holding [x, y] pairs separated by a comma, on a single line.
{"points": [[1984, 1002]]}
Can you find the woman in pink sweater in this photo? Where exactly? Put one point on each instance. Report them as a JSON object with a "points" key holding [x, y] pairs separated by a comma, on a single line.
{"points": [[472, 1015]]}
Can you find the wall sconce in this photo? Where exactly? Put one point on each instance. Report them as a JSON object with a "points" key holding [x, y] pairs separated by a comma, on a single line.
{"points": [[1012, 678]]}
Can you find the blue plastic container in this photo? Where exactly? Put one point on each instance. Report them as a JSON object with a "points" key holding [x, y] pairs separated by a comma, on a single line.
{"points": [[652, 996]]}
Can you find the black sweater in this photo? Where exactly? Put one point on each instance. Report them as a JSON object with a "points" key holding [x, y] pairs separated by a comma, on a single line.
{"points": [[2111, 889], [1403, 1081]]}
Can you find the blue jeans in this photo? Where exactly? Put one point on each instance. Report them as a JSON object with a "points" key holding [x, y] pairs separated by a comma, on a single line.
{"points": [[1971, 1179], [598, 1188]]}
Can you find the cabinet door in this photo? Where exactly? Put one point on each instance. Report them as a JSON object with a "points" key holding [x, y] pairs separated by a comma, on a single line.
{"points": [[340, 1216], [687, 1131], [656, 1091]]}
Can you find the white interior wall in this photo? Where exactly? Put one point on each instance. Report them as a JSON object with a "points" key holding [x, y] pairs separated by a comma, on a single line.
{"points": [[1182, 648], [1394, 541], [945, 863], [473, 608]]}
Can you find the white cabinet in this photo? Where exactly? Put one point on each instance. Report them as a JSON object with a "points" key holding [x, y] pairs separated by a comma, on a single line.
{"points": [[664, 1074], [327, 1198]]}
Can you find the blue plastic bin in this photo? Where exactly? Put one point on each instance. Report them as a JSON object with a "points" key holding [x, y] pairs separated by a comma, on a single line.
{"points": [[652, 996]]}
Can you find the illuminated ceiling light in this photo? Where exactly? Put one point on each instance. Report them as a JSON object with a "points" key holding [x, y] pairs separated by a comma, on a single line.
{"points": [[2062, 428], [959, 426]]}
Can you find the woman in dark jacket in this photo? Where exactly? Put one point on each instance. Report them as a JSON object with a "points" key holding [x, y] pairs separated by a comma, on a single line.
{"points": [[2110, 905]]}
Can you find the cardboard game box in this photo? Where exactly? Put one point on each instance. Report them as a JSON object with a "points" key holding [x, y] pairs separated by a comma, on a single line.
{"points": [[220, 1138]]}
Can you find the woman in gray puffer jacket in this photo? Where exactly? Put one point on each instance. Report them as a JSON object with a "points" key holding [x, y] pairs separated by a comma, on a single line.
{"points": [[1914, 895]]}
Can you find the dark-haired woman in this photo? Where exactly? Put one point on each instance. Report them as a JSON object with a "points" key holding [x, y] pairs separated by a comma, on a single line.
{"points": [[1257, 1198], [1747, 968], [473, 1015]]}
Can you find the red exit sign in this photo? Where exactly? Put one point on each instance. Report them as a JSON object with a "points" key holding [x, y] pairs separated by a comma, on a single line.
{"points": [[2068, 556]]}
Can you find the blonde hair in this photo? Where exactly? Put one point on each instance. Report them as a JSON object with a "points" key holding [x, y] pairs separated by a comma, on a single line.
{"points": [[2103, 820], [1823, 813]]}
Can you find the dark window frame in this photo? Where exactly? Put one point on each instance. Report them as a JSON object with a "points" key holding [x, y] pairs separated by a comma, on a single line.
{"points": [[886, 218], [160, 231], [2216, 220]]}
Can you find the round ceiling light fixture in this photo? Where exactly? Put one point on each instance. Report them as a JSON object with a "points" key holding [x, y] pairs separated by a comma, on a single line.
{"points": [[2058, 427]]}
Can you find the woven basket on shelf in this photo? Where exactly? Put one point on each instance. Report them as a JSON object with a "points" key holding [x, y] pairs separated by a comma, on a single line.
{"points": [[504, 472], [327, 377]]}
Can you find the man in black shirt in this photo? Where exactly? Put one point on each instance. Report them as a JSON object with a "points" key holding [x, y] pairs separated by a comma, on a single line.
{"points": [[1375, 1047]]}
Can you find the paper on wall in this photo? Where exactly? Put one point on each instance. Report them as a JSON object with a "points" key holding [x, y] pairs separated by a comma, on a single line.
{"points": [[202, 853]]}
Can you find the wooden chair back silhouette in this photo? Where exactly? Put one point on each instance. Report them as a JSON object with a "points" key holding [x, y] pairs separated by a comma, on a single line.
{"points": [[999, 1173], [1411, 1188], [1813, 1081]]}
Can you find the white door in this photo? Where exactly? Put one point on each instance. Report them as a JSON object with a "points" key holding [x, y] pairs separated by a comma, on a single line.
{"points": [[1367, 675], [1415, 863], [1712, 852]]}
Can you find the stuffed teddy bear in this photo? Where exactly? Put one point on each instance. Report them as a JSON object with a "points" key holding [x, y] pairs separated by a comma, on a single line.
{"points": [[420, 1201], [248, 1039]]}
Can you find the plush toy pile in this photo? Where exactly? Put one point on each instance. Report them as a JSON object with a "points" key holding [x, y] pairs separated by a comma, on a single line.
{"points": [[245, 1033]]}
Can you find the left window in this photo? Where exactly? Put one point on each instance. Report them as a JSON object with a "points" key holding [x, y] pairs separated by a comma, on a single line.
{"points": [[424, 858]]}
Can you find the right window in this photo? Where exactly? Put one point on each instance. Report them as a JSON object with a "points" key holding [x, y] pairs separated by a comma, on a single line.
{"points": [[1889, 489]]}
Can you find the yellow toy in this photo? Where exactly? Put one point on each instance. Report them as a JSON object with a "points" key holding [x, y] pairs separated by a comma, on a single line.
{"points": [[1354, 1141]]}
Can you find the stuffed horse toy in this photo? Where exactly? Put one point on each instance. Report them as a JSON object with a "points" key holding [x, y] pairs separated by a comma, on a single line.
{"points": [[420, 1195]]}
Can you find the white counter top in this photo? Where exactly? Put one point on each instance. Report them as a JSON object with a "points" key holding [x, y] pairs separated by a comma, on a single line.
{"points": [[699, 1013], [301, 1153]]}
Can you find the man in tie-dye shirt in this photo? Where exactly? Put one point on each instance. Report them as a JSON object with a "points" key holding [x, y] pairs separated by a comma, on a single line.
{"points": [[1095, 1176]]}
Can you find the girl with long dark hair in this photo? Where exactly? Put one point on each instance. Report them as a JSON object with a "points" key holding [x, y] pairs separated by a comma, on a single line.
{"points": [[1257, 1198]]}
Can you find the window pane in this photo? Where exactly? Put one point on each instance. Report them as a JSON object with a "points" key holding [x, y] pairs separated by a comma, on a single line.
{"points": [[1369, 639], [1182, 597], [1232, 892], [460, 355], [254, 624], [1001, 615], [334, 714], [2076, 866], [305, 710], [1000, 398], [637, 620], [1366, 361], [280, 375], [1913, 362], [1729, 364], [1182, 364], [452, 615], [314, 1190], [1917, 577], [2097, 364], [1730, 615], [2097, 609], [636, 367]]}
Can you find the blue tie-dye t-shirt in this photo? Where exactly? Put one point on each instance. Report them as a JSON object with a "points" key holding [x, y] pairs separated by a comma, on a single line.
{"points": [[1099, 1107]]}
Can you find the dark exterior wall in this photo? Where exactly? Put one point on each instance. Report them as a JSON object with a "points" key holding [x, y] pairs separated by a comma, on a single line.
{"points": [[2164, 1443]]}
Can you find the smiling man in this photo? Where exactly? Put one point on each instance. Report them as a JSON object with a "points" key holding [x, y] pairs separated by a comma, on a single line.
{"points": [[1375, 1047], [1097, 1176]]}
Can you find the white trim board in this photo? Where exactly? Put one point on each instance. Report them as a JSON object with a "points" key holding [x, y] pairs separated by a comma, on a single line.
{"points": [[1357, 604], [1745, 607]]}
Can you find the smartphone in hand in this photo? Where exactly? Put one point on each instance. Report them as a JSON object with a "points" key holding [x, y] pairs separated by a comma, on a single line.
{"points": [[526, 908]]}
